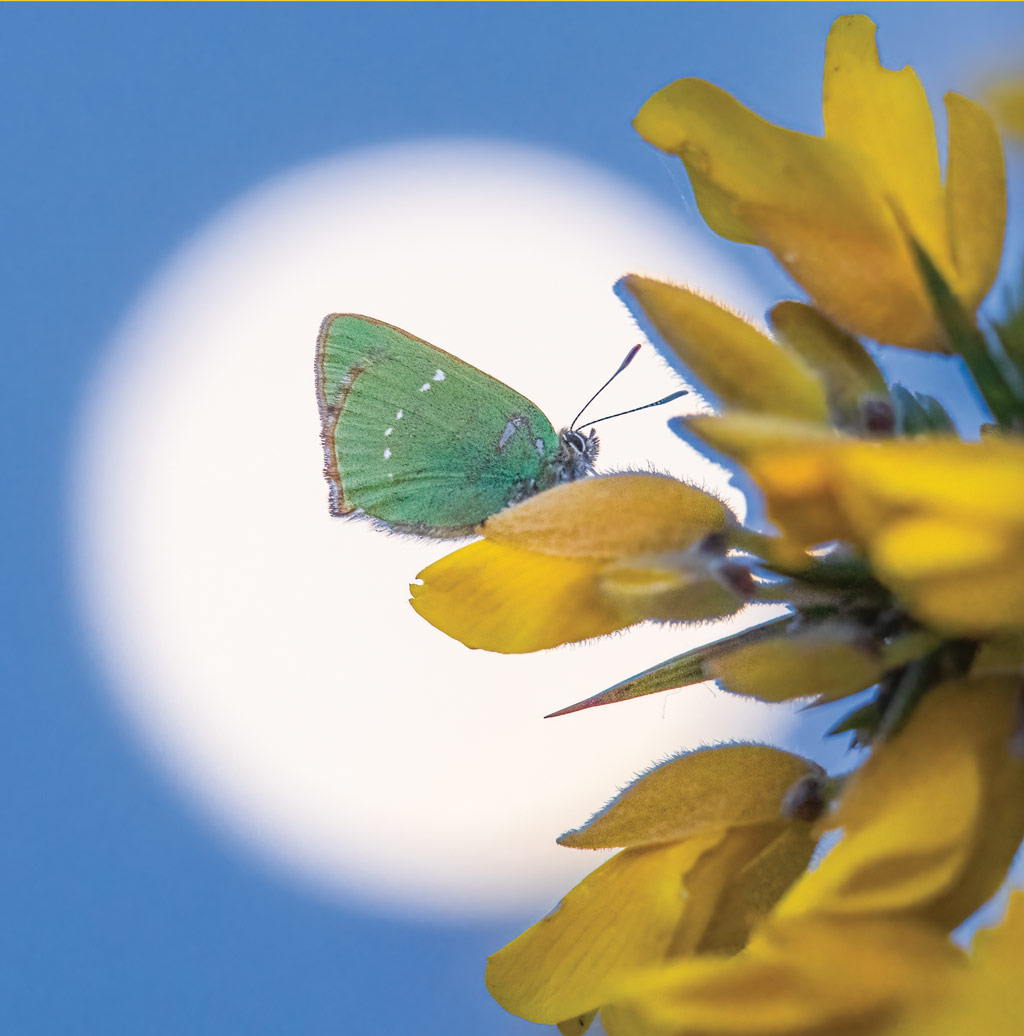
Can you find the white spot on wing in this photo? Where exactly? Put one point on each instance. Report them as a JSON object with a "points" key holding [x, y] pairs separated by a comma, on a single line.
{"points": [[514, 422], [424, 387], [539, 443], [398, 416], [510, 430], [439, 376], [387, 453], [388, 431]]}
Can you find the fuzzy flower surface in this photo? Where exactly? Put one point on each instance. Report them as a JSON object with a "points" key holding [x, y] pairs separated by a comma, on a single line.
{"points": [[753, 893]]}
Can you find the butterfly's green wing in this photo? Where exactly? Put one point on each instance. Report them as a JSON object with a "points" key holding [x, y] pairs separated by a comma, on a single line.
{"points": [[417, 437]]}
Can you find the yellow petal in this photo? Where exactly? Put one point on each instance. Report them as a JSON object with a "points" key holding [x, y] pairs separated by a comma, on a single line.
{"points": [[986, 714], [792, 462], [863, 277], [610, 517], [985, 997], [975, 197], [835, 212], [703, 790], [964, 579], [688, 586], [747, 436], [497, 597], [982, 481], [980, 603], [812, 977], [883, 117], [762, 871], [620, 917], [932, 819], [929, 546], [743, 367], [846, 368], [903, 857], [681, 119], [830, 661], [713, 875]]}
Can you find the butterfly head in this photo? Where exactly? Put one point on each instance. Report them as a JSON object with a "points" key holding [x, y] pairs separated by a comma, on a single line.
{"points": [[577, 452]]}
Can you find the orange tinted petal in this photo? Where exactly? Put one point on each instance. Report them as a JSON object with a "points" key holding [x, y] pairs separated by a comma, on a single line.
{"points": [[610, 516]]}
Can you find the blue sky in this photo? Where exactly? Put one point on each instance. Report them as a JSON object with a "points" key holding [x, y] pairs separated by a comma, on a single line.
{"points": [[125, 127]]}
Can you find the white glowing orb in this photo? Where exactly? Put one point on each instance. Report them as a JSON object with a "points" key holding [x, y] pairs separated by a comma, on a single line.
{"points": [[267, 651]]}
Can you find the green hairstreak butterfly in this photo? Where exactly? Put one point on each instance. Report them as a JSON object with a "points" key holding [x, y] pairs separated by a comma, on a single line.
{"points": [[425, 442]]}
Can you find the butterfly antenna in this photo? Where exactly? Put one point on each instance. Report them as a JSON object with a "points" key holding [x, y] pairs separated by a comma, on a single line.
{"points": [[622, 366], [646, 406]]}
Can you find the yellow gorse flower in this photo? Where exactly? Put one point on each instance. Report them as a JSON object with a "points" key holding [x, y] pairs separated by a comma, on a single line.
{"points": [[860, 943], [554, 569], [942, 521], [931, 822], [982, 994], [838, 211], [707, 852], [899, 551]]}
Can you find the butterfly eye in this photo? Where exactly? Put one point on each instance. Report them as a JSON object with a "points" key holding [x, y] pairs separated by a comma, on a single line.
{"points": [[575, 440]]}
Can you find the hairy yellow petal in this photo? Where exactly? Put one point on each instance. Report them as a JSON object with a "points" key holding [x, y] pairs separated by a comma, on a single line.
{"points": [[498, 597], [846, 368], [707, 789], [831, 662], [792, 463], [747, 436], [611, 516], [744, 367]]}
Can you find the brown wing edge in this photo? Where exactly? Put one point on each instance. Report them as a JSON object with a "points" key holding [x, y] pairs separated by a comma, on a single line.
{"points": [[329, 412]]}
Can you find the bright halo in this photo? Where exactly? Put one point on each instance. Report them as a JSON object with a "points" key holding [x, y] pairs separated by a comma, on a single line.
{"points": [[265, 650]]}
